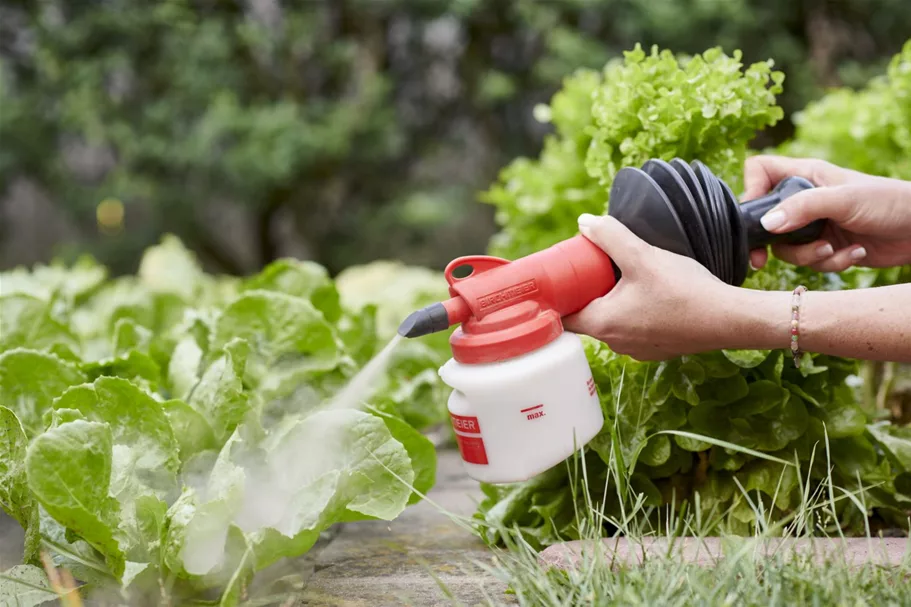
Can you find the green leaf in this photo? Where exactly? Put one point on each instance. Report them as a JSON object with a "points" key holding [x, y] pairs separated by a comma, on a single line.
{"points": [[358, 333], [15, 497], [895, 441], [170, 268], [392, 289], [193, 432], [421, 452], [854, 455], [689, 375], [46, 281], [709, 419], [813, 391], [374, 467], [725, 459], [130, 336], [761, 396], [773, 479], [725, 390], [289, 339], [656, 452], [716, 364], [726, 445], [302, 279], [413, 386], [809, 367], [196, 534], [77, 495], [783, 424], [746, 359], [184, 367], [84, 562], [146, 458], [30, 381], [243, 569], [28, 322], [25, 586], [134, 366], [842, 422], [771, 368], [219, 396], [662, 385]]}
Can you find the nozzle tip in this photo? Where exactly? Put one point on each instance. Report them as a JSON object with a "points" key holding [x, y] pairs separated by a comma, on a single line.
{"points": [[408, 328], [428, 320]]}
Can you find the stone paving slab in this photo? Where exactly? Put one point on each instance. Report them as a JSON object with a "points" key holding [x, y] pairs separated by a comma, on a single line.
{"points": [[380, 563], [887, 552]]}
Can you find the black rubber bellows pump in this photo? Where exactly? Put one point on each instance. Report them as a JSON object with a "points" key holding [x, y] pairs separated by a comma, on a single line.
{"points": [[684, 208]]}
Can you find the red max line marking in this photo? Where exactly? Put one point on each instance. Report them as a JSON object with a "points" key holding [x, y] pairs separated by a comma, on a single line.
{"points": [[531, 408]]}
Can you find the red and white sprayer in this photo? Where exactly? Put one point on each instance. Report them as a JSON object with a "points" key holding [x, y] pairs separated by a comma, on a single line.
{"points": [[523, 396]]}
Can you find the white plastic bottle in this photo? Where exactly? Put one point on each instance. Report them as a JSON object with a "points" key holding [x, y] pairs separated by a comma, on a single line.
{"points": [[518, 417]]}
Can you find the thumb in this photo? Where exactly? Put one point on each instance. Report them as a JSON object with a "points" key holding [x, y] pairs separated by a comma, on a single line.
{"points": [[613, 238], [833, 203]]}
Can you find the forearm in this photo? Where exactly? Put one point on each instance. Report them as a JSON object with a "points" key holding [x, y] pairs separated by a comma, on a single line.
{"points": [[868, 324]]}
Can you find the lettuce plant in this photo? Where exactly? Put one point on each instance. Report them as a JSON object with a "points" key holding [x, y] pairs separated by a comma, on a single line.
{"points": [[171, 431], [682, 430]]}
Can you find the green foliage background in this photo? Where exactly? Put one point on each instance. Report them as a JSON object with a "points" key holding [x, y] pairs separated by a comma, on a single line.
{"points": [[342, 131]]}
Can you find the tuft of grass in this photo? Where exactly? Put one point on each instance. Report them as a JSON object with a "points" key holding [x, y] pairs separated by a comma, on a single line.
{"points": [[760, 570], [743, 577]]}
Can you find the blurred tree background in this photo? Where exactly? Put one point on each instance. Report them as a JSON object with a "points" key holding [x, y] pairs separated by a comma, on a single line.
{"points": [[338, 130]]}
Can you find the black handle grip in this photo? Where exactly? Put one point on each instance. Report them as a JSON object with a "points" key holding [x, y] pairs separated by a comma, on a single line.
{"points": [[753, 210]]}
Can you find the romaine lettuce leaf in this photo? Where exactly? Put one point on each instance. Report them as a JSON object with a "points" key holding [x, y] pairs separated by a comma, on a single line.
{"points": [[77, 495], [30, 381]]}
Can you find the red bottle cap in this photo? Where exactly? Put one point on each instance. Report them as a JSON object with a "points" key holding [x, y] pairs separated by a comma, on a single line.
{"points": [[505, 334]]}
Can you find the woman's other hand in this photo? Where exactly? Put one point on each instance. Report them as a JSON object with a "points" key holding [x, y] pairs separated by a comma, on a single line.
{"points": [[869, 217]]}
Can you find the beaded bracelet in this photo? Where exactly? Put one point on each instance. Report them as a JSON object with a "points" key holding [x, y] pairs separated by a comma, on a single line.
{"points": [[795, 323]]}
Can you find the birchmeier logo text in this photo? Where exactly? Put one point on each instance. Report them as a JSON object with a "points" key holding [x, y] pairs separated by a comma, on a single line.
{"points": [[508, 294]]}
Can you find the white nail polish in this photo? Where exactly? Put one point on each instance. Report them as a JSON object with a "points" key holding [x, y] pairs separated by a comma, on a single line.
{"points": [[772, 220], [824, 251], [858, 254], [587, 219]]}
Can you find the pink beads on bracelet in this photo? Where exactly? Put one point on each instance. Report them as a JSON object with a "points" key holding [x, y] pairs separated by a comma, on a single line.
{"points": [[795, 323]]}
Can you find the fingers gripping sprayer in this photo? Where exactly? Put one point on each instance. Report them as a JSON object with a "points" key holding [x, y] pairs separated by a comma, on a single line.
{"points": [[523, 395]]}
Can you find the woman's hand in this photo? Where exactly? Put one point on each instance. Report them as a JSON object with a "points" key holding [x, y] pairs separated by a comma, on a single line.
{"points": [[663, 306], [869, 217]]}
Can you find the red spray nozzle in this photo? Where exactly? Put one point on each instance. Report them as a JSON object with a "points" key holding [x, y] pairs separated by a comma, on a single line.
{"points": [[507, 307]]}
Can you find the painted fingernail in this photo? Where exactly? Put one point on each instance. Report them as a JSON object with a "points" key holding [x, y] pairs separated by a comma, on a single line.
{"points": [[824, 250], [587, 219], [858, 254], [772, 220]]}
